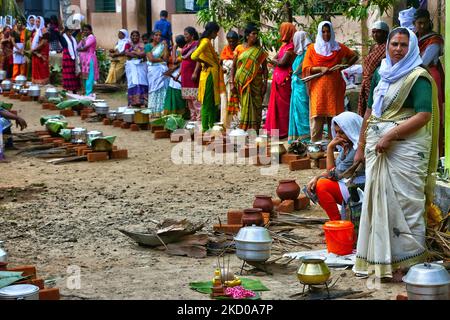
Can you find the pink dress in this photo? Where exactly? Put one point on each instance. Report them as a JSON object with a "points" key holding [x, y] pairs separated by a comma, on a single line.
{"points": [[87, 56], [280, 97]]}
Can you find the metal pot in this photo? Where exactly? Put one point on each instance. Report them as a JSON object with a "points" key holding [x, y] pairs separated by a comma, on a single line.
{"points": [[112, 114], [314, 151], [16, 87], [101, 108], [128, 116], [78, 135], [313, 270], [21, 80], [34, 91], [51, 93], [91, 135], [2, 75], [23, 91], [262, 140], [20, 292], [192, 126], [141, 118], [6, 85], [217, 130], [253, 244], [427, 281]]}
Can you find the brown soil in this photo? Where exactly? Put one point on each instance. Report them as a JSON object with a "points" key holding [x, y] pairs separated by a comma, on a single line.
{"points": [[73, 220]]}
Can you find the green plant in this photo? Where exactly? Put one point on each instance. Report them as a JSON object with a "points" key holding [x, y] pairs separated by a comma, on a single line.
{"points": [[56, 74], [104, 64]]}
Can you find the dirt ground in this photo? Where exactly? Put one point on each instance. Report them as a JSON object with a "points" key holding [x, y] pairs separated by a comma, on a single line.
{"points": [[66, 217]]}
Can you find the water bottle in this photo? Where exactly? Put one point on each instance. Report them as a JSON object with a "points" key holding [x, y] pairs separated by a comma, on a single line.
{"points": [[3, 254]]}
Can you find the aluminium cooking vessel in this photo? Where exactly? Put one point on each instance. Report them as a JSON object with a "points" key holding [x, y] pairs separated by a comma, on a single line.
{"points": [[128, 116], [20, 292], [17, 87], [192, 126], [34, 91], [78, 135], [23, 91], [112, 115], [51, 93], [6, 85], [91, 135], [253, 244], [101, 108], [21, 80], [427, 281]]}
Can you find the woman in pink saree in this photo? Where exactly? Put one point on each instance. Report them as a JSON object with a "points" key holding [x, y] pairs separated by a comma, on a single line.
{"points": [[88, 59]]}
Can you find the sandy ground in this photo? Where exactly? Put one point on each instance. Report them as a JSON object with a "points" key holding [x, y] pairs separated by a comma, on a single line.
{"points": [[72, 222]]}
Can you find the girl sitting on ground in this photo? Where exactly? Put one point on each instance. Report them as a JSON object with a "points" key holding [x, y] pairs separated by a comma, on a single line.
{"points": [[330, 188]]}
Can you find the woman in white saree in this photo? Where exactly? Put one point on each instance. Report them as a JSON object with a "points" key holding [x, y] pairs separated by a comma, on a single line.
{"points": [[399, 140]]}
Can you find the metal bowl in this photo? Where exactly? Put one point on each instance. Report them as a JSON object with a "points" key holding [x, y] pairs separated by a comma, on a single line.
{"points": [[313, 270], [20, 292], [112, 114], [101, 108], [314, 151], [23, 91], [17, 87], [427, 281], [128, 116]]}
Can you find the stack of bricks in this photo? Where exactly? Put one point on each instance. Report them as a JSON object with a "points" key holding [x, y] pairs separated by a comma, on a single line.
{"points": [[289, 206], [234, 222], [85, 113], [31, 278], [296, 162]]}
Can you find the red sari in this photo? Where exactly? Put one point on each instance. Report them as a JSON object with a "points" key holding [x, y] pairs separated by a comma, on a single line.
{"points": [[40, 65], [280, 97]]}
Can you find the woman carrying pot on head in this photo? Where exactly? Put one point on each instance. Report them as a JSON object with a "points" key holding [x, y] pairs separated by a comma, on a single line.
{"points": [[40, 50], [399, 139], [329, 188], [431, 46], [249, 79], [136, 71], [280, 94], [71, 68], [87, 49], [299, 108], [118, 58], [190, 71], [211, 77], [326, 93], [157, 56]]}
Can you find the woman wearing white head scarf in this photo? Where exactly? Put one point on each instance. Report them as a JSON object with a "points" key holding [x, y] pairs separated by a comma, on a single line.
{"points": [[400, 146], [118, 58], [299, 110], [330, 188], [29, 30], [31, 23], [40, 50], [326, 93]]}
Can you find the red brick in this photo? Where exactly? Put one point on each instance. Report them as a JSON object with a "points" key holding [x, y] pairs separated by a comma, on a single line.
{"points": [[117, 123], [266, 216], [81, 149], [234, 216], [70, 127], [41, 132], [401, 297], [323, 163], [125, 125], [286, 206], [85, 152], [288, 157], [27, 271], [97, 156], [119, 154], [179, 137], [87, 110], [162, 134], [52, 106], [220, 147], [276, 202], [84, 116], [49, 294], [45, 106], [67, 113], [115, 148], [156, 128], [39, 283], [301, 203], [228, 228], [135, 127], [106, 122], [301, 164]]}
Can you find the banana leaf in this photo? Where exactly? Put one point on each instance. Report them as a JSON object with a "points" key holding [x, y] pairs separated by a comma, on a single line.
{"points": [[56, 126], [6, 106], [44, 119], [73, 103], [55, 100], [8, 277], [171, 122]]}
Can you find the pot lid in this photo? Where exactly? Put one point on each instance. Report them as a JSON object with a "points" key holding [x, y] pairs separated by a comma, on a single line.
{"points": [[427, 274], [253, 234], [78, 130], [95, 132], [21, 78], [18, 290], [238, 133]]}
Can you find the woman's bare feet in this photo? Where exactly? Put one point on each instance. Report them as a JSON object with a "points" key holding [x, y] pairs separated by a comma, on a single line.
{"points": [[397, 276]]}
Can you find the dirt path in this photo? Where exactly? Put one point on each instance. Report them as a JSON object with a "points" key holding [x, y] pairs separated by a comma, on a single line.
{"points": [[73, 220]]}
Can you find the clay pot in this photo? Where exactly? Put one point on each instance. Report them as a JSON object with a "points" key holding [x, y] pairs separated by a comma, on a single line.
{"points": [[252, 216], [288, 190], [263, 202]]}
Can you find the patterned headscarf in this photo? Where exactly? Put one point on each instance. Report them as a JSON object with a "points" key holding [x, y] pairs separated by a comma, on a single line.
{"points": [[287, 31], [323, 47]]}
